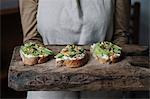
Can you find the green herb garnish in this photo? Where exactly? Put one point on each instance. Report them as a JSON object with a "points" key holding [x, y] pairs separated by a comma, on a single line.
{"points": [[106, 48], [36, 49]]}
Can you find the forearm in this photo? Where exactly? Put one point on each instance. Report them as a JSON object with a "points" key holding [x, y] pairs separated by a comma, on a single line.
{"points": [[122, 16], [28, 11]]}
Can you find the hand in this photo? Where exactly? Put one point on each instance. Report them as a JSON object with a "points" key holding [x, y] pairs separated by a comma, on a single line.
{"points": [[121, 41]]}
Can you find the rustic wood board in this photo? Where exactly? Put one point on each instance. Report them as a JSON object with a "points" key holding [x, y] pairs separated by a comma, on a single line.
{"points": [[131, 73]]}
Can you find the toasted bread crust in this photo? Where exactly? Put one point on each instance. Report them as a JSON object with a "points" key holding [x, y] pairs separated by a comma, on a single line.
{"points": [[44, 59], [115, 59], [30, 61], [73, 63], [101, 60], [107, 61]]}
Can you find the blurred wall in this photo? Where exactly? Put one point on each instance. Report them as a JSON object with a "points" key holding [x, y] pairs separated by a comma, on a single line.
{"points": [[6, 4], [144, 21]]}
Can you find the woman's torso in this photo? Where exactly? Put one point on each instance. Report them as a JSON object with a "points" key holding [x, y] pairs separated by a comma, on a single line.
{"points": [[67, 21]]}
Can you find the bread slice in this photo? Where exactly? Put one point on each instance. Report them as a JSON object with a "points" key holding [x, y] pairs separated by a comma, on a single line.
{"points": [[73, 63], [43, 54], [34, 60], [102, 58], [72, 56]]}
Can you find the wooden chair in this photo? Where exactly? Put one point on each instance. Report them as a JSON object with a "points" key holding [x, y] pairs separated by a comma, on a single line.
{"points": [[134, 27]]}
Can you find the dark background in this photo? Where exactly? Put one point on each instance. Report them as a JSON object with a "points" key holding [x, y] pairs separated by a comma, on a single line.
{"points": [[11, 36]]}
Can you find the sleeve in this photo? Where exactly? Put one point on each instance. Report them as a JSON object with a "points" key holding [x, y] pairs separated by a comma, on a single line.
{"points": [[28, 11], [122, 16]]}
